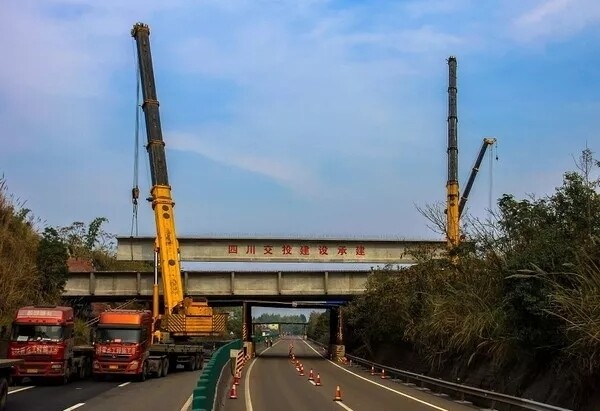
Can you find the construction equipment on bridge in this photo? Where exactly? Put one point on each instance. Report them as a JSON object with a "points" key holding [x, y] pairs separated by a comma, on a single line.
{"points": [[182, 318], [455, 207]]}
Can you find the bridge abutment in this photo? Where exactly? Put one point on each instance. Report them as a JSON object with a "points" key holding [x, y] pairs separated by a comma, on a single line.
{"points": [[337, 349], [247, 329]]}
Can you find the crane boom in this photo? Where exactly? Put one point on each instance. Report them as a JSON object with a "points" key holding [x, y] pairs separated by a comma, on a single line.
{"points": [[452, 226], [162, 203], [463, 200]]}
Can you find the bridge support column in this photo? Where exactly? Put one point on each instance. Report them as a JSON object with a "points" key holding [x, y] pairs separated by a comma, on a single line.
{"points": [[337, 350], [247, 330]]}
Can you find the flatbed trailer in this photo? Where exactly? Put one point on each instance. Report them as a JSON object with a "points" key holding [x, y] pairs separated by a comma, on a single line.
{"points": [[6, 369], [165, 357]]}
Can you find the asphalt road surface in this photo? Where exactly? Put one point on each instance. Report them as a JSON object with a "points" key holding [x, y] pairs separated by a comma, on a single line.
{"points": [[271, 382], [167, 394]]}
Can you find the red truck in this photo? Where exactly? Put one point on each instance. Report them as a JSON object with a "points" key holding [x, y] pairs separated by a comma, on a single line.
{"points": [[43, 337], [123, 346]]}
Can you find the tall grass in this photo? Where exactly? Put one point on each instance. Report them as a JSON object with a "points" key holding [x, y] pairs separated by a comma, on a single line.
{"points": [[577, 302], [18, 247]]}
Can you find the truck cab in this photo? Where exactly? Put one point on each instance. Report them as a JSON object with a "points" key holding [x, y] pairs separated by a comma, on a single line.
{"points": [[122, 340], [42, 336]]}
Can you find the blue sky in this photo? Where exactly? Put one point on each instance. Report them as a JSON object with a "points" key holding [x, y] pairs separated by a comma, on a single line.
{"points": [[304, 117]]}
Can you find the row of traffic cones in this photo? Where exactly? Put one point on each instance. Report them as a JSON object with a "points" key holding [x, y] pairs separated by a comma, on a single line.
{"points": [[383, 376], [317, 380]]}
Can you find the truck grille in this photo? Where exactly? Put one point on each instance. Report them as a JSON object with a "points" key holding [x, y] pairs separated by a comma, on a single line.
{"points": [[114, 357]]}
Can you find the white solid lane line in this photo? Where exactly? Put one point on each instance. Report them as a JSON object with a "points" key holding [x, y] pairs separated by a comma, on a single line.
{"points": [[124, 384], [341, 404], [380, 385], [247, 381], [20, 389], [247, 387], [187, 403], [74, 406]]}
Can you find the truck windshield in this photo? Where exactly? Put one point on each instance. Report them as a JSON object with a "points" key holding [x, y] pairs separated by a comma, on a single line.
{"points": [[118, 335], [33, 332]]}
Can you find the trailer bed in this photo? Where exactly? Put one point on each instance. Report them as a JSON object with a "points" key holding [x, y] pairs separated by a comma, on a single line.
{"points": [[176, 348]]}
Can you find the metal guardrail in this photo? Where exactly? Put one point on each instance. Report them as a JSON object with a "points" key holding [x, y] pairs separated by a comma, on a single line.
{"points": [[206, 390], [478, 395]]}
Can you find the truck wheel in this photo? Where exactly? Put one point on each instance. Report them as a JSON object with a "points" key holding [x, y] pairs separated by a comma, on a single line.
{"points": [[143, 374], [3, 393], [67, 375], [81, 369], [166, 366]]}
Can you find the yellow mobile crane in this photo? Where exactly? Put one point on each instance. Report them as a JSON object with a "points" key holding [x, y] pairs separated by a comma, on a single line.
{"points": [[182, 317], [454, 206]]}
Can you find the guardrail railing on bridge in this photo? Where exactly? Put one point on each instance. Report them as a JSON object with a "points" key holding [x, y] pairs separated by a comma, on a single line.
{"points": [[462, 392]]}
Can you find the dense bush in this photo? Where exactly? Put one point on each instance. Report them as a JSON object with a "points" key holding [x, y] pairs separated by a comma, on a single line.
{"points": [[525, 281]]}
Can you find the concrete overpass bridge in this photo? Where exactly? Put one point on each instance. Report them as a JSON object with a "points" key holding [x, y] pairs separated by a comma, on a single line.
{"points": [[285, 286], [248, 286]]}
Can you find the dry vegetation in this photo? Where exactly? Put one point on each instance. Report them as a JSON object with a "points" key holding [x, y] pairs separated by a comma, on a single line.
{"points": [[18, 248]]}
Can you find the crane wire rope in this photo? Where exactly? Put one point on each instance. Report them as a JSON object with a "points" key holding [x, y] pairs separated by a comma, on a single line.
{"points": [[135, 191], [491, 154]]}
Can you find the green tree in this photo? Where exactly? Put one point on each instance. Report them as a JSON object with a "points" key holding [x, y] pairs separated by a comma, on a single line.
{"points": [[52, 255], [318, 326], [94, 243]]}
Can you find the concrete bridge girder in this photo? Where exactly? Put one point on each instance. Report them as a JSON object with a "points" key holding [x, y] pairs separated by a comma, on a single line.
{"points": [[243, 284], [296, 250]]}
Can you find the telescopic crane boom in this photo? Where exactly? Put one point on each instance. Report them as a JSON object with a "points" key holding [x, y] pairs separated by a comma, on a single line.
{"points": [[162, 202], [182, 317], [463, 200], [454, 207], [452, 225]]}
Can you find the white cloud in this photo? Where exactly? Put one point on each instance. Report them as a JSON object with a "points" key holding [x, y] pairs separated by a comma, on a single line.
{"points": [[285, 171], [555, 19]]}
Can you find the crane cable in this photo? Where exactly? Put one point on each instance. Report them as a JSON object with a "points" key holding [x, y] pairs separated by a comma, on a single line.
{"points": [[135, 191], [494, 147]]}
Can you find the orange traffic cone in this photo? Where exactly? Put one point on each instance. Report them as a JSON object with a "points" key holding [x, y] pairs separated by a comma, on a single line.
{"points": [[301, 370], [372, 370], [236, 379], [318, 382], [233, 393], [338, 394], [383, 376], [350, 362], [310, 375]]}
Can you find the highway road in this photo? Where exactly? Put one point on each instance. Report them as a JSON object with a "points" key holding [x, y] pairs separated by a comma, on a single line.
{"points": [[169, 394], [271, 382]]}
